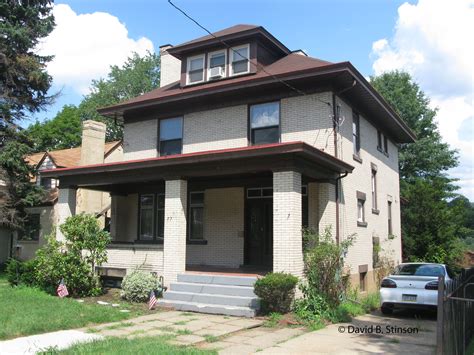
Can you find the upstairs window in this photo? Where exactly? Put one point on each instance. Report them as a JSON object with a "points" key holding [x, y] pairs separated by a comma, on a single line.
{"points": [[196, 69], [171, 136], [216, 65], [374, 188], [240, 60], [389, 218], [382, 142], [265, 123], [356, 133], [361, 209]]}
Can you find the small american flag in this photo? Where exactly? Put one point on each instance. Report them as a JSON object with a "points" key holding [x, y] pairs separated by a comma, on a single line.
{"points": [[152, 301], [62, 289]]}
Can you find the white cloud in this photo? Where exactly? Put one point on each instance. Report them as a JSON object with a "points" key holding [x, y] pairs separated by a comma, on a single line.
{"points": [[85, 45], [433, 42]]}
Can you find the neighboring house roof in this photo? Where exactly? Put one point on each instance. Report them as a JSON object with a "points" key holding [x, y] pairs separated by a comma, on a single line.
{"points": [[65, 158]]}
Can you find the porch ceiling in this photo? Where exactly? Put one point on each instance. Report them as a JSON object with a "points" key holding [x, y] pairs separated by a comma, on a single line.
{"points": [[309, 161]]}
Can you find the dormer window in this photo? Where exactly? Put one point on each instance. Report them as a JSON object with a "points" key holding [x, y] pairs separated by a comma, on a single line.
{"points": [[216, 65], [196, 69], [240, 60]]}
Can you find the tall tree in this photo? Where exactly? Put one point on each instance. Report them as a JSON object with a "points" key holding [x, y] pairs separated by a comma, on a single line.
{"points": [[24, 82], [63, 131], [429, 227], [135, 77]]}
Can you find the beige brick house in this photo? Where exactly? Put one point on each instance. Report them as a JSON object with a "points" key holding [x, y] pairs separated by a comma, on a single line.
{"points": [[244, 143]]}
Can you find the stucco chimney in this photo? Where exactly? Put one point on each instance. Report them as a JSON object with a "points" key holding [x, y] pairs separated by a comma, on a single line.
{"points": [[170, 70], [93, 142]]}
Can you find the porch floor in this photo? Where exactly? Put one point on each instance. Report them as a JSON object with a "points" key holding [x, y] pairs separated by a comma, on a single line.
{"points": [[220, 270]]}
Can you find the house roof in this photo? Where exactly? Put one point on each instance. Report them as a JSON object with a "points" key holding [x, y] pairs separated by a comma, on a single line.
{"points": [[65, 158]]}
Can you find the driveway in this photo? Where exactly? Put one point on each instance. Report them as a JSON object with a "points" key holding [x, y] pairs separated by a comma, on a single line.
{"points": [[404, 332]]}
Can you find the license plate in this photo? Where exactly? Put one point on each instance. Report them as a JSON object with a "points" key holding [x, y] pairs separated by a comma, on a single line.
{"points": [[409, 298]]}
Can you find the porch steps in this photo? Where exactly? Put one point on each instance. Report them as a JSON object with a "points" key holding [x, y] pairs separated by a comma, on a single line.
{"points": [[215, 294]]}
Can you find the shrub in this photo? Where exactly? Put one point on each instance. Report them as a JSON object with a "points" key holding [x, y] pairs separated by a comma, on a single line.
{"points": [[21, 272], [276, 291], [137, 285]]}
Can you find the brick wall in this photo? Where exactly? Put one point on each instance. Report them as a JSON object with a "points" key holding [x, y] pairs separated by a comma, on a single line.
{"points": [[140, 139], [223, 230], [147, 257]]}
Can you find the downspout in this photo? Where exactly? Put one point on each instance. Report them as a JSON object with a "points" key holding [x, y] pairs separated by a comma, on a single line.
{"points": [[337, 204]]}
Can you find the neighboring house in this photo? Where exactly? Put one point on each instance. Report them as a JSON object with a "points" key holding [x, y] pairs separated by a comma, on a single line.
{"points": [[239, 149], [6, 235], [43, 217]]}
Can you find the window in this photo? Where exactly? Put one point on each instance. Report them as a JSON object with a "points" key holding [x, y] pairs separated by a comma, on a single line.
{"points": [[196, 69], [374, 189], [265, 123], [361, 209], [356, 133], [147, 217], [382, 142], [171, 136], [196, 216], [46, 183], [151, 217], [362, 281], [389, 217], [216, 59], [32, 228], [240, 60]]}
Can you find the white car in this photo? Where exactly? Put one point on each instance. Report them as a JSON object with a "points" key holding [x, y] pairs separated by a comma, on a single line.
{"points": [[412, 285]]}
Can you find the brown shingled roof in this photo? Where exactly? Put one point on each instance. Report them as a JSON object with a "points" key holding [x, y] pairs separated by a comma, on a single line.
{"points": [[222, 33]]}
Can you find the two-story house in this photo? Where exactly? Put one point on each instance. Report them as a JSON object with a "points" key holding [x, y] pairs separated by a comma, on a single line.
{"points": [[244, 143]]}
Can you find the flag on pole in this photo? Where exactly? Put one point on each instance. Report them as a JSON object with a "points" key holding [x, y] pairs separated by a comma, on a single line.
{"points": [[152, 301], [62, 289]]}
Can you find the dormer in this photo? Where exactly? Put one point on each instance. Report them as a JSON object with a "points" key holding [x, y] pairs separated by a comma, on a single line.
{"points": [[236, 51]]}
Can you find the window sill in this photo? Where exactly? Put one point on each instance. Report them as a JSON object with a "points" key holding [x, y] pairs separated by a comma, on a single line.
{"points": [[138, 241], [361, 224], [196, 242], [375, 211], [382, 151], [357, 158]]}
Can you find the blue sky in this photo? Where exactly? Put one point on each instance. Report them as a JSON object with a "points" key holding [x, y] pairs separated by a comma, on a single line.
{"points": [[427, 38]]}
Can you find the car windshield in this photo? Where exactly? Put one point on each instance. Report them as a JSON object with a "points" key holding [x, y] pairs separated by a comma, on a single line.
{"points": [[420, 270]]}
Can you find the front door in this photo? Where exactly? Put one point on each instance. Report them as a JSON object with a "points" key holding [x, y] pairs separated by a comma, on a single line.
{"points": [[259, 244]]}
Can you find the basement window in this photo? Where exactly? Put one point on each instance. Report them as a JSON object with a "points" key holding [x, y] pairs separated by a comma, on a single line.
{"points": [[195, 67]]}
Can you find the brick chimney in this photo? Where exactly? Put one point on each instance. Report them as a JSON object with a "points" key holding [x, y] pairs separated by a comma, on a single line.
{"points": [[170, 70], [93, 142]]}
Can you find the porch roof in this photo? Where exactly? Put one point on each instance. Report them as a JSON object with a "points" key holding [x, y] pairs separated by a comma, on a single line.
{"points": [[311, 162]]}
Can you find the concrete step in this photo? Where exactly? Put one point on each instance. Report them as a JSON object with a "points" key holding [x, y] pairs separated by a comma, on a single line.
{"points": [[228, 290], [217, 279], [208, 308], [208, 298]]}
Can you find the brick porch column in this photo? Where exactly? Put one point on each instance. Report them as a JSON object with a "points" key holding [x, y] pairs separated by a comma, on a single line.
{"points": [[174, 245], [287, 233], [66, 207]]}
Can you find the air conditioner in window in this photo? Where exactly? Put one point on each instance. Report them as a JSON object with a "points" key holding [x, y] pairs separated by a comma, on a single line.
{"points": [[216, 72]]}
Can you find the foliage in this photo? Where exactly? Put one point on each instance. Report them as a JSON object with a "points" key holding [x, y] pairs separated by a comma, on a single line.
{"points": [[54, 263], [430, 228], [19, 192], [324, 266], [276, 291], [63, 131], [86, 239], [136, 76], [20, 272], [312, 308], [28, 310], [24, 81], [137, 285], [274, 319]]}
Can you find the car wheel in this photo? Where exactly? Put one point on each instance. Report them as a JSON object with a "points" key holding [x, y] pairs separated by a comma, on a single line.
{"points": [[386, 310]]}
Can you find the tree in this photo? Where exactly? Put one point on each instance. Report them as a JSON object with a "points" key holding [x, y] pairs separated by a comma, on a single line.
{"points": [[430, 228], [24, 82], [63, 131], [137, 76], [19, 192]]}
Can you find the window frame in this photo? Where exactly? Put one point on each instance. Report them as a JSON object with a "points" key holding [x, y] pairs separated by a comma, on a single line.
{"points": [[356, 141], [382, 143], [249, 122], [231, 59], [190, 207], [155, 237], [389, 218], [153, 210], [209, 55], [169, 140], [373, 188], [188, 68], [361, 199]]}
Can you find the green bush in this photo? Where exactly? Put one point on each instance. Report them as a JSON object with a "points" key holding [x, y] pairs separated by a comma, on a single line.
{"points": [[276, 291], [21, 272], [137, 285]]}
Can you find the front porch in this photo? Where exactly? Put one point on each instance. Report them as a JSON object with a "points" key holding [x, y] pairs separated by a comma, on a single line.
{"points": [[216, 212]]}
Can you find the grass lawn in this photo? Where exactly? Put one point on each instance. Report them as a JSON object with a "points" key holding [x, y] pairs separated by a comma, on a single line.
{"points": [[27, 311], [146, 345]]}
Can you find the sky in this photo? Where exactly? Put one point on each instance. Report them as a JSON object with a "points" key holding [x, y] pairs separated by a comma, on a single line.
{"points": [[431, 39]]}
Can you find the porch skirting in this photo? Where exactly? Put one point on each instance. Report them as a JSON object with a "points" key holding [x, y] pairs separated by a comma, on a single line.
{"points": [[129, 257]]}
